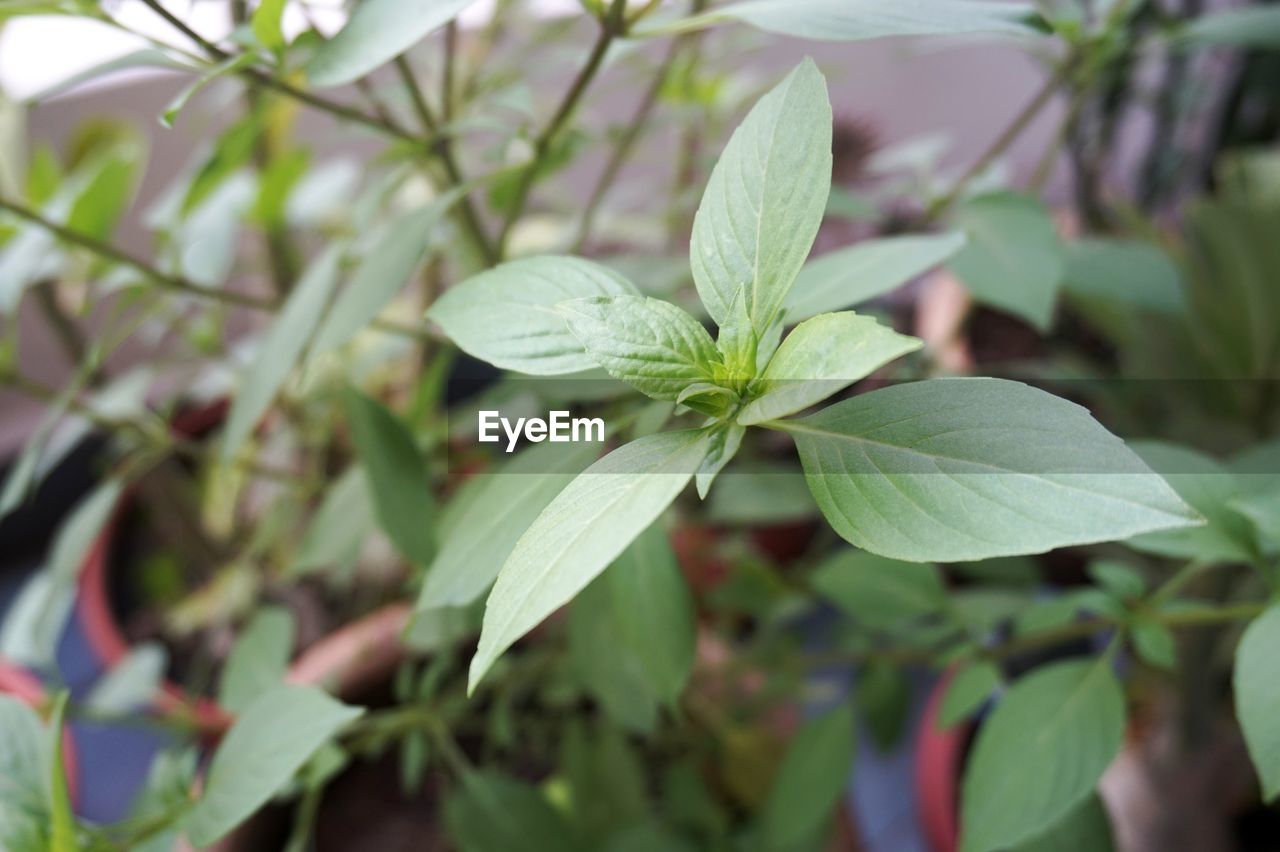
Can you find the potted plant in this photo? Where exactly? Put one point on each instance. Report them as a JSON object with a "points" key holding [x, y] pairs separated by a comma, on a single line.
{"points": [[362, 579]]}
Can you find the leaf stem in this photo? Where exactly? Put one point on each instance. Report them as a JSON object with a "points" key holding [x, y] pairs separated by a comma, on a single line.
{"points": [[610, 26], [1002, 142]]}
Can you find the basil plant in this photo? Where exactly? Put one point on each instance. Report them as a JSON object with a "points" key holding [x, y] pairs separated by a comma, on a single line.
{"points": [[937, 470]]}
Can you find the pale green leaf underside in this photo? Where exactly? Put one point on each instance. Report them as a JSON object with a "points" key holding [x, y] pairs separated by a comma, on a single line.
{"points": [[647, 342], [764, 201], [377, 32], [280, 350], [584, 529], [270, 741], [855, 20], [507, 315], [957, 469], [1014, 259], [858, 273], [821, 356], [1040, 753], [488, 516], [382, 273], [1257, 688], [258, 659]]}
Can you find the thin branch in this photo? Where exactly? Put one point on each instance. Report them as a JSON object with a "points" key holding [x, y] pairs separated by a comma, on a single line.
{"points": [[609, 28]]}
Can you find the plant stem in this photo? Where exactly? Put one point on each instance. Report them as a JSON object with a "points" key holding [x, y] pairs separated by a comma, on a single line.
{"points": [[1002, 142], [176, 283], [609, 28], [626, 142]]}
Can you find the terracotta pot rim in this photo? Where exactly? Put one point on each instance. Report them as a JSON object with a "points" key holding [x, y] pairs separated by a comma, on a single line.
{"points": [[25, 687], [940, 753]]}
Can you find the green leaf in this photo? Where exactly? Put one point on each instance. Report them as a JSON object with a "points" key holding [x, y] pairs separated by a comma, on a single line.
{"points": [[494, 813], [581, 531], [269, 742], [764, 202], [726, 439], [646, 342], [25, 757], [762, 496], [107, 193], [1119, 579], [1264, 511], [132, 683], [1086, 827], [340, 526], [879, 592], [63, 831], [1251, 27], [858, 273], [1014, 259], [377, 32], [1125, 272], [266, 24], [822, 356], [397, 477], [1257, 690], [856, 20], [607, 672], [1208, 487], [258, 659], [960, 469], [1155, 643], [884, 698], [653, 612], [507, 315], [280, 350], [489, 514], [969, 689], [1040, 753], [382, 273], [814, 774], [229, 66]]}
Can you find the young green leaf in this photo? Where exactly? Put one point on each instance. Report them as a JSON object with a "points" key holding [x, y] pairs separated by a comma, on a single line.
{"points": [[507, 315], [879, 592], [821, 356], [858, 273], [266, 24], [969, 688], [382, 273], [581, 531], [270, 741], [377, 32], [652, 609], [959, 469], [649, 343], [1040, 753], [813, 775], [724, 446], [132, 683], [1014, 259], [764, 202], [857, 20], [488, 516], [1257, 690], [397, 477], [280, 350], [1263, 510], [1155, 643], [225, 68], [258, 659], [340, 526]]}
